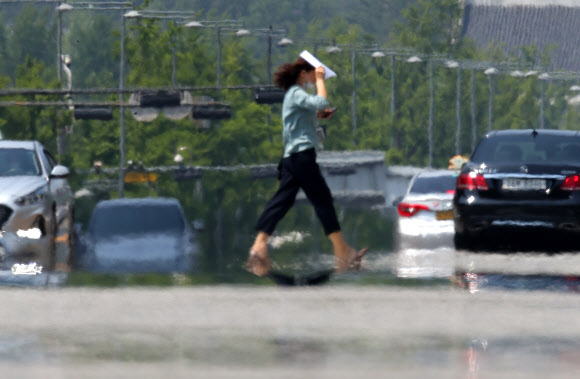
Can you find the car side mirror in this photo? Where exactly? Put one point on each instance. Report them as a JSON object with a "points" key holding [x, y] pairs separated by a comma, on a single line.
{"points": [[78, 228], [59, 172], [397, 201], [198, 225]]}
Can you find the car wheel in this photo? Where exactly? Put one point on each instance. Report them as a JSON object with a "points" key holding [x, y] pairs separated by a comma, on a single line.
{"points": [[48, 259], [464, 241], [71, 261]]}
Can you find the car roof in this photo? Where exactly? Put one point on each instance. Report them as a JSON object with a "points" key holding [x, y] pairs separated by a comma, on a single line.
{"points": [[28, 145], [138, 201], [520, 132]]}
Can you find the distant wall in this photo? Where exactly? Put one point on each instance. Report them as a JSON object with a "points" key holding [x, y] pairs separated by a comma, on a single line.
{"points": [[397, 180], [361, 178], [355, 178]]}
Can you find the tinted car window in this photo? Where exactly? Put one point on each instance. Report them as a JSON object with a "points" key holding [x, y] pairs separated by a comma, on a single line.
{"points": [[518, 148], [433, 184], [51, 161], [14, 162], [121, 220]]}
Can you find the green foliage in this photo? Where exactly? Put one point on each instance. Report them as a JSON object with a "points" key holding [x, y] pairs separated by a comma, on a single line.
{"points": [[430, 26], [394, 157], [92, 43], [253, 134], [32, 33]]}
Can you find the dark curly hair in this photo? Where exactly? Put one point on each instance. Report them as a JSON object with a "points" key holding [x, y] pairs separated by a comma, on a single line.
{"points": [[287, 74]]}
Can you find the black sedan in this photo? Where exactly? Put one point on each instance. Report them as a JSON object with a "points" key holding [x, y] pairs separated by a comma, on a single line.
{"points": [[519, 179]]}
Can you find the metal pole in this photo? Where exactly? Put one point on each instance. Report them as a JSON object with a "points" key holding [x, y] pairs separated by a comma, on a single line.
{"points": [[490, 110], [269, 64], [542, 92], [354, 118], [270, 56], [122, 110], [458, 113], [392, 88], [59, 43], [473, 114], [219, 58], [431, 113], [173, 67]]}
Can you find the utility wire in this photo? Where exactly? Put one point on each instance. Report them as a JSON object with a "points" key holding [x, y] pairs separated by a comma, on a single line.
{"points": [[88, 104], [105, 91]]}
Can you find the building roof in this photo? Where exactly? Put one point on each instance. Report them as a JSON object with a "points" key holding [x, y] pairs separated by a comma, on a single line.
{"points": [[514, 24], [527, 3]]}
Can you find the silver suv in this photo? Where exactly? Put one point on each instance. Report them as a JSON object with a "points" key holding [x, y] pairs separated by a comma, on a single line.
{"points": [[34, 199]]}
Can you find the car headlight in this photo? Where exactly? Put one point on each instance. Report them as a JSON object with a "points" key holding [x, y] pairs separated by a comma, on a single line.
{"points": [[33, 197]]}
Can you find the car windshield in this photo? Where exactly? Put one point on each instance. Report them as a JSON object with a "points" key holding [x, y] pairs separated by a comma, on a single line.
{"points": [[18, 162], [121, 220], [434, 184], [527, 148]]}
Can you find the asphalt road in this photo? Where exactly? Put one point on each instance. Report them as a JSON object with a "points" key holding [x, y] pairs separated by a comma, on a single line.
{"points": [[333, 331]]}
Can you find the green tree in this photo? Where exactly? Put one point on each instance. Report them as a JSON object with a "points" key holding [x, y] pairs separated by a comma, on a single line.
{"points": [[92, 41], [31, 35]]}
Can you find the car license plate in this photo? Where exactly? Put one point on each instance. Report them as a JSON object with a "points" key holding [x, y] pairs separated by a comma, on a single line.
{"points": [[517, 184], [444, 215]]}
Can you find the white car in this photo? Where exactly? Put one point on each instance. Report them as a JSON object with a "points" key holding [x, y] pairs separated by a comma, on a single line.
{"points": [[34, 199], [425, 213]]}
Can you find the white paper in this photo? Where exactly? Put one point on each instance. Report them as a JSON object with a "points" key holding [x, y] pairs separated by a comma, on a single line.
{"points": [[316, 63]]}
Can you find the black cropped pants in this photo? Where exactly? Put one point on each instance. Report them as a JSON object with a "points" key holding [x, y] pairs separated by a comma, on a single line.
{"points": [[300, 170]]}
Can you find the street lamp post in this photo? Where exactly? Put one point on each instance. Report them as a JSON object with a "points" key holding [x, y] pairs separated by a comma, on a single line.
{"points": [[416, 59], [393, 53], [108, 6], [431, 113], [354, 115], [59, 41], [269, 63], [269, 34], [219, 57], [122, 111], [170, 16], [458, 113], [473, 112], [392, 88], [86, 6], [220, 26], [122, 139], [542, 79], [490, 72], [354, 49], [456, 65]]}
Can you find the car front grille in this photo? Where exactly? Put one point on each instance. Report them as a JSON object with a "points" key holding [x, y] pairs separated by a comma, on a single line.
{"points": [[5, 213]]}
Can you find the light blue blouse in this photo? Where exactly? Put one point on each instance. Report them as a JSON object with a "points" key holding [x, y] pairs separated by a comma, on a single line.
{"points": [[299, 119]]}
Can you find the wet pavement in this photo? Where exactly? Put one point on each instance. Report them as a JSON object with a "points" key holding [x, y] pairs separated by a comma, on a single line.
{"points": [[413, 312], [336, 331]]}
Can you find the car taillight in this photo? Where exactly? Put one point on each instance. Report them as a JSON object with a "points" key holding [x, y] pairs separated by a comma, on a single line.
{"points": [[571, 183], [471, 181], [409, 210]]}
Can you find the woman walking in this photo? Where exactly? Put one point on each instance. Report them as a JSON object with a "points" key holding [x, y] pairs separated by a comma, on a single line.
{"points": [[298, 167]]}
